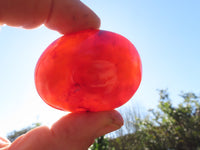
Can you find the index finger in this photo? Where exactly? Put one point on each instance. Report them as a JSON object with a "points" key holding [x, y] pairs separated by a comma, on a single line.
{"points": [[65, 16]]}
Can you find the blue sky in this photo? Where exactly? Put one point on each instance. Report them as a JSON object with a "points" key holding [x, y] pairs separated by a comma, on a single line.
{"points": [[166, 34]]}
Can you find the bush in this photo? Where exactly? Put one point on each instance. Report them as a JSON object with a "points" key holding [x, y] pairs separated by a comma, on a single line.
{"points": [[166, 128]]}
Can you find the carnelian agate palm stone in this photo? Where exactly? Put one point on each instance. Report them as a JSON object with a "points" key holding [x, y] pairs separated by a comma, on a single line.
{"points": [[91, 70]]}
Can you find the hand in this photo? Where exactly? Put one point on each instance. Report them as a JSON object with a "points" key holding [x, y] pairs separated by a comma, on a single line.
{"points": [[75, 131], [65, 16]]}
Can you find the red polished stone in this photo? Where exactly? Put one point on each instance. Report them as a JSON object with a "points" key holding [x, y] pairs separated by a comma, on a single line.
{"points": [[92, 70]]}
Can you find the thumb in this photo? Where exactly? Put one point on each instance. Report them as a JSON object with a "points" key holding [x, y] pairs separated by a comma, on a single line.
{"points": [[75, 131], [82, 128]]}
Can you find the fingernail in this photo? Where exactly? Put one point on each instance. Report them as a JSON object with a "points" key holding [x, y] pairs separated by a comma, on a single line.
{"points": [[117, 119], [116, 122]]}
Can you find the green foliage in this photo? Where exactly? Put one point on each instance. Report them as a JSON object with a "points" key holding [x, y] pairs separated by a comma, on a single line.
{"points": [[173, 127], [15, 134], [101, 143], [166, 128]]}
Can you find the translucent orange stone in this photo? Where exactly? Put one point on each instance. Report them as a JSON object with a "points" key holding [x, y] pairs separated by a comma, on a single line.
{"points": [[91, 70]]}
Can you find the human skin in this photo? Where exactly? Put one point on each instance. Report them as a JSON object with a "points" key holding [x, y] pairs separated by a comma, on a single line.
{"points": [[64, 16], [75, 131]]}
